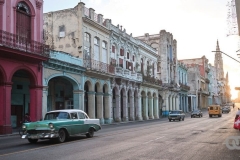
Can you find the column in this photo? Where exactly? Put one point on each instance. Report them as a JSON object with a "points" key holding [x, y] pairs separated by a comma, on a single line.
{"points": [[125, 108], [132, 108], [117, 108], [145, 108], [78, 99], [170, 102], [107, 108], [100, 107], [5, 108], [91, 104], [139, 107], [36, 103], [44, 101], [1, 15], [177, 102], [156, 108], [150, 104], [186, 97]]}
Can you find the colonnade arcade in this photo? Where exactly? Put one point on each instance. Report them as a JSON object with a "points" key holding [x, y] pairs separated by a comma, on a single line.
{"points": [[97, 101], [125, 103], [149, 103]]}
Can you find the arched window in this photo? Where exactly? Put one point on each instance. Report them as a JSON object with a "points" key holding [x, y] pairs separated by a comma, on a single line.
{"points": [[87, 45], [23, 26]]}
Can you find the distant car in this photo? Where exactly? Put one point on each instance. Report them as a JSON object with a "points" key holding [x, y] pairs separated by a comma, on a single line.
{"points": [[176, 115], [215, 110], [226, 109], [196, 113], [59, 125]]}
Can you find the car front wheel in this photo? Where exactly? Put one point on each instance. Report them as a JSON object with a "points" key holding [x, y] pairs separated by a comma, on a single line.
{"points": [[62, 136], [32, 140]]}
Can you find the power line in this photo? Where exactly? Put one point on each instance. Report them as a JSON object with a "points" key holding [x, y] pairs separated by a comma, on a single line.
{"points": [[228, 55]]}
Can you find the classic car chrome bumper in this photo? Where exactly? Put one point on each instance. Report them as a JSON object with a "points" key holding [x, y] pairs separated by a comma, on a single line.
{"points": [[40, 136]]}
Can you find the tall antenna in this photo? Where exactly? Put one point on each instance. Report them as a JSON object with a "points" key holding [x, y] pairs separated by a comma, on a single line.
{"points": [[232, 18]]}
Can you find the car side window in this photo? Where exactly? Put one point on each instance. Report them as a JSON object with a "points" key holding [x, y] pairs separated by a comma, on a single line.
{"points": [[74, 115], [81, 115]]}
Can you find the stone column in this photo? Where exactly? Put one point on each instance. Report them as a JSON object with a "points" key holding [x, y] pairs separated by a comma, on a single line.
{"points": [[44, 101], [78, 99], [125, 108], [170, 106], [132, 108], [5, 108], [118, 109], [150, 107], [139, 107], [100, 107], [107, 108], [36, 103], [156, 108], [91, 104], [145, 108], [1, 13]]}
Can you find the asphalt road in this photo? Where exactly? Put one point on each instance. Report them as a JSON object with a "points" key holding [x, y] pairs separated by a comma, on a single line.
{"points": [[193, 139]]}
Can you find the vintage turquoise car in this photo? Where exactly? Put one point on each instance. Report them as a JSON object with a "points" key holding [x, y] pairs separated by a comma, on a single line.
{"points": [[59, 125]]}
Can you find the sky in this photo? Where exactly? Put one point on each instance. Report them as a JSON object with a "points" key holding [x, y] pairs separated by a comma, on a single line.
{"points": [[195, 24]]}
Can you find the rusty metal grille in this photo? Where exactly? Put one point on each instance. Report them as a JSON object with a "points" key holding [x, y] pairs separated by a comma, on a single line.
{"points": [[99, 66]]}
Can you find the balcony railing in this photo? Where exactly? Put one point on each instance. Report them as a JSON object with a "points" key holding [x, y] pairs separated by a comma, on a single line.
{"points": [[152, 80], [23, 44], [98, 66], [184, 87], [125, 73]]}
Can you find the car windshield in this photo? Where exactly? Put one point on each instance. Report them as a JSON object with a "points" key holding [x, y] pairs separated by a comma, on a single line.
{"points": [[195, 111], [57, 115], [175, 112]]}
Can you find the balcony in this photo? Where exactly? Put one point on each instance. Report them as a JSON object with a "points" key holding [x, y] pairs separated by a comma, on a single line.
{"points": [[207, 70], [152, 80], [98, 66], [184, 87], [125, 73], [24, 45], [207, 80]]}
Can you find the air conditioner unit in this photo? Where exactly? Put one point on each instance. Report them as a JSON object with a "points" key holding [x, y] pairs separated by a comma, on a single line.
{"points": [[61, 34]]}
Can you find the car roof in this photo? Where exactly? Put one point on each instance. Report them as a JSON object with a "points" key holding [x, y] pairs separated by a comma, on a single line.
{"points": [[67, 110]]}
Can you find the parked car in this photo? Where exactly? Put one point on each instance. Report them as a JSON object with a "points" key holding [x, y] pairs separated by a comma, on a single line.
{"points": [[59, 125], [226, 109], [176, 115], [196, 113]]}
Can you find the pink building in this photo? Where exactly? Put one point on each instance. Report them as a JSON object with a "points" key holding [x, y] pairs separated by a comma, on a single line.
{"points": [[21, 55]]}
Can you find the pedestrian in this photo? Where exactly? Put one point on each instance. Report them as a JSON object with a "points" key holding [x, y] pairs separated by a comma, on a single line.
{"points": [[27, 118], [233, 105]]}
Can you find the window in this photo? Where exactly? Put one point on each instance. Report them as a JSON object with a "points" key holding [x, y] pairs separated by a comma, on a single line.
{"points": [[86, 37], [62, 31], [133, 58], [74, 115], [121, 52], [113, 49], [23, 26], [96, 49], [104, 52], [120, 62], [81, 115], [128, 55]]}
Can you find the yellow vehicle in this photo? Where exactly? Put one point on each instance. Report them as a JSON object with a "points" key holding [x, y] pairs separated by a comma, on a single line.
{"points": [[215, 110]]}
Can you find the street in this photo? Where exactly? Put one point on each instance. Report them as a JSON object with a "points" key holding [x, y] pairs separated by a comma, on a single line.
{"points": [[193, 138]]}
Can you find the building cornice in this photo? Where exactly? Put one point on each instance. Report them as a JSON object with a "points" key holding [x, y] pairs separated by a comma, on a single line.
{"points": [[98, 26], [64, 66]]}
